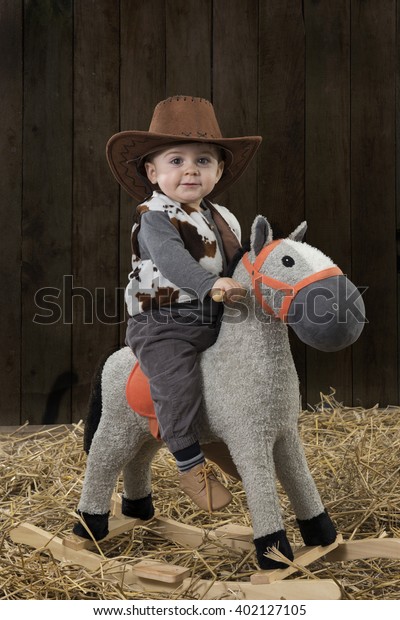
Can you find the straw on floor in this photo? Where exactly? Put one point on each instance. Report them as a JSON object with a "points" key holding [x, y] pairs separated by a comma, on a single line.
{"points": [[354, 455]]}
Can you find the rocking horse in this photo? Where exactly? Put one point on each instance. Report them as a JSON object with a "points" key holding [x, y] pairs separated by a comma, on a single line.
{"points": [[249, 418], [250, 396]]}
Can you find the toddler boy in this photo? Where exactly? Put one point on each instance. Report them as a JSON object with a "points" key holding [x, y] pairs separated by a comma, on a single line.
{"points": [[182, 244]]}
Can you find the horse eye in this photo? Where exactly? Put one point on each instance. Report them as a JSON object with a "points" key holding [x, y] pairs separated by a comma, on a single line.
{"points": [[288, 261]]}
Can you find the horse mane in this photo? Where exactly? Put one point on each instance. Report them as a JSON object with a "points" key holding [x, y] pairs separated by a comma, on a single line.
{"points": [[278, 234], [237, 258]]}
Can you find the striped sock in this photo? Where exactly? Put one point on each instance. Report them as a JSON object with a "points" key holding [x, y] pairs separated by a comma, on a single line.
{"points": [[189, 457]]}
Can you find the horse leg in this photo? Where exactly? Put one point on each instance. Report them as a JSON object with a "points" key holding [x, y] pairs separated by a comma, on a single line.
{"points": [[292, 470], [136, 498], [255, 464], [115, 442]]}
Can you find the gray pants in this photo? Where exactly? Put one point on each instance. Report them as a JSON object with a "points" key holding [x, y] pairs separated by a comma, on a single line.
{"points": [[168, 356]]}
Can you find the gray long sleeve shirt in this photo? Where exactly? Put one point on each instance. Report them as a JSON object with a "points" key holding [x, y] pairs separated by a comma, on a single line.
{"points": [[160, 241]]}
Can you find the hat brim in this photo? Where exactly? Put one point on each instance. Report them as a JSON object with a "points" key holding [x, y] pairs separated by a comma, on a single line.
{"points": [[125, 149]]}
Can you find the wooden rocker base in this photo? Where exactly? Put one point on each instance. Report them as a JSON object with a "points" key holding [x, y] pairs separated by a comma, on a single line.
{"points": [[302, 558], [158, 577]]}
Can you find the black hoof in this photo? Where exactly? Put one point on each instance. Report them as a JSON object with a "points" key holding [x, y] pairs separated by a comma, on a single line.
{"points": [[318, 531], [97, 524], [138, 508], [265, 543]]}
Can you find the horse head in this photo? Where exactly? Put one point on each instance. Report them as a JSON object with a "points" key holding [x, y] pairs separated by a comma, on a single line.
{"points": [[300, 285]]}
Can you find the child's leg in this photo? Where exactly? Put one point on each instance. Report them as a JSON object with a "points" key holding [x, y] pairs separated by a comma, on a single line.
{"points": [[168, 356]]}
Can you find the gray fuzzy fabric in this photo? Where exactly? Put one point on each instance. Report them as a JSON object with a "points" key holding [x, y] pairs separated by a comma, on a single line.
{"points": [[121, 442], [251, 403]]}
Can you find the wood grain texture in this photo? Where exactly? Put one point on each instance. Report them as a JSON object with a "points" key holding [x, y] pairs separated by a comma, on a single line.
{"points": [[366, 549], [373, 132], [317, 80], [188, 48], [302, 557], [397, 81], [397, 95], [11, 98], [46, 214], [281, 95], [94, 304], [142, 86], [166, 576], [327, 168], [235, 76], [158, 577], [290, 590], [281, 113]]}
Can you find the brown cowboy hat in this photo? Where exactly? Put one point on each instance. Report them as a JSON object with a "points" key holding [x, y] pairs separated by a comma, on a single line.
{"points": [[176, 120]]}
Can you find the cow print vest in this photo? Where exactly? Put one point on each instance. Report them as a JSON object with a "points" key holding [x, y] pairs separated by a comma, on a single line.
{"points": [[148, 288]]}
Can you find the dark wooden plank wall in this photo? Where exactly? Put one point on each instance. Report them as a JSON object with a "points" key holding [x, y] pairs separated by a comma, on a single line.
{"points": [[373, 200], [46, 203], [317, 79], [95, 226], [11, 103], [281, 161], [327, 166]]}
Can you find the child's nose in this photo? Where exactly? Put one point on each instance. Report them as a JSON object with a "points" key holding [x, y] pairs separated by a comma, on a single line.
{"points": [[192, 168]]}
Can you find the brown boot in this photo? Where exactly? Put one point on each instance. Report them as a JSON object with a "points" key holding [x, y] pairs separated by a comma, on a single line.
{"points": [[201, 485]]}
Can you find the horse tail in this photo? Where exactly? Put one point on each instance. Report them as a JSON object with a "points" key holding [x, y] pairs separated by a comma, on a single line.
{"points": [[95, 404]]}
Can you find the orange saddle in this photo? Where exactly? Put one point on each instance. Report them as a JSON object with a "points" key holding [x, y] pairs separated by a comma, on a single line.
{"points": [[139, 398]]}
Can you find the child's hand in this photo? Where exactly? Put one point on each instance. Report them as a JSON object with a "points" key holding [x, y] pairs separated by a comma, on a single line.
{"points": [[227, 289]]}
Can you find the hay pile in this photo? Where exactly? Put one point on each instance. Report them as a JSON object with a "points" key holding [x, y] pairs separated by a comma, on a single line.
{"points": [[354, 455]]}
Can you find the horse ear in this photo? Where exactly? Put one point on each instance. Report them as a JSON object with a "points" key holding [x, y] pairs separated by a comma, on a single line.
{"points": [[299, 232], [261, 234]]}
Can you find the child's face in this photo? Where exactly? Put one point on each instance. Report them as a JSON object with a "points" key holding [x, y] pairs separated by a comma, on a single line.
{"points": [[186, 172]]}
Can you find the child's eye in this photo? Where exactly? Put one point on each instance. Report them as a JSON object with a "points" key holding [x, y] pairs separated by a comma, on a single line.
{"points": [[203, 161], [176, 161]]}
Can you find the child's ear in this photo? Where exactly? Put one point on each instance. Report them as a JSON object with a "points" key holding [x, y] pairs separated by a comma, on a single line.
{"points": [[151, 172], [220, 171]]}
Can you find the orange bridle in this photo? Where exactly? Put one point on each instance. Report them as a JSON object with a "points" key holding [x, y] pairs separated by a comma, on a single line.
{"points": [[289, 291]]}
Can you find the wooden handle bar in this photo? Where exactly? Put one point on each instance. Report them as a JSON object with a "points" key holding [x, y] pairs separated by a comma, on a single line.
{"points": [[218, 295]]}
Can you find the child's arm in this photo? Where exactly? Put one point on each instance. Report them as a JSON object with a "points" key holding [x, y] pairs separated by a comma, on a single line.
{"points": [[160, 241], [165, 247]]}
